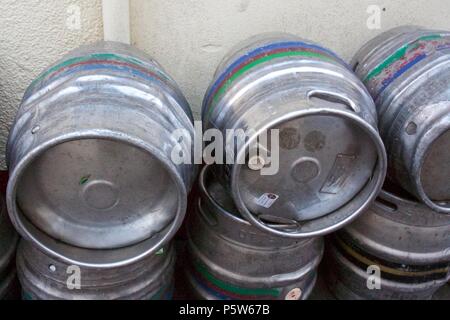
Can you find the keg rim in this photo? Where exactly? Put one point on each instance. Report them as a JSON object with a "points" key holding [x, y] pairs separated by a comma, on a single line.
{"points": [[421, 151], [205, 194], [54, 247], [375, 182]]}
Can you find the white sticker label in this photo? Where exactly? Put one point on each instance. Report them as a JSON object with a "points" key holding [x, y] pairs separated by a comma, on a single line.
{"points": [[267, 200], [294, 294]]}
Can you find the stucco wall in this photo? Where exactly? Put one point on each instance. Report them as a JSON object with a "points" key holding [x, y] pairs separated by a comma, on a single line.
{"points": [[190, 37], [34, 34]]}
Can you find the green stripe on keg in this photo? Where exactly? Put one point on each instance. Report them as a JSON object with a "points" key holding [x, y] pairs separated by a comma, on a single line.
{"points": [[95, 56], [234, 289], [259, 61], [400, 53]]}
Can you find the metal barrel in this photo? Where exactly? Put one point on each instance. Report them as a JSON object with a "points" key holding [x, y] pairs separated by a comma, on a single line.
{"points": [[407, 241], [8, 244], [407, 71], [44, 277], [90, 157], [399, 229], [353, 275], [230, 259], [331, 161]]}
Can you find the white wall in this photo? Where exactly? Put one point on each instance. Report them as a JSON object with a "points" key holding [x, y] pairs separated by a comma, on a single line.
{"points": [[33, 34], [188, 37]]}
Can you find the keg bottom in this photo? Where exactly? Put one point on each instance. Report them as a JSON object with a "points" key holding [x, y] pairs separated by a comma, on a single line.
{"points": [[97, 193], [435, 172], [331, 166], [77, 169]]}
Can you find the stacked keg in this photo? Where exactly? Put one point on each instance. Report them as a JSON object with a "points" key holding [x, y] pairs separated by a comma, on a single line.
{"points": [[92, 185], [47, 278], [8, 243], [400, 248], [256, 232], [232, 259]]}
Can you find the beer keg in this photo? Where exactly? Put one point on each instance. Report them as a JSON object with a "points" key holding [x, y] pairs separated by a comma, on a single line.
{"points": [[407, 70], [319, 160], [228, 258], [90, 157], [44, 277]]}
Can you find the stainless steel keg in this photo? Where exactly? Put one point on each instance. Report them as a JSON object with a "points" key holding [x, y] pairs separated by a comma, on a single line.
{"points": [[229, 258], [90, 157], [352, 274], [46, 278], [407, 241], [331, 161], [8, 243], [407, 71]]}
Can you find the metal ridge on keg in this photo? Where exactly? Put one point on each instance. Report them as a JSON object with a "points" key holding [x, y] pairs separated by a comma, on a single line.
{"points": [[90, 157], [259, 56], [406, 70], [347, 275], [332, 159], [44, 277], [231, 259], [399, 229]]}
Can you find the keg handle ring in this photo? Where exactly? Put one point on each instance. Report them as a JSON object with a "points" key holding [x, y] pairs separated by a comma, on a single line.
{"points": [[334, 98], [287, 225]]}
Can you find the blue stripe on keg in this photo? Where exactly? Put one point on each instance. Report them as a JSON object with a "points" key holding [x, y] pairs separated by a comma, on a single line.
{"points": [[399, 73], [261, 50]]}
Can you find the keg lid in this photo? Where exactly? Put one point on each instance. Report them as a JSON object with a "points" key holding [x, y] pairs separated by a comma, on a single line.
{"points": [[98, 193], [331, 165]]}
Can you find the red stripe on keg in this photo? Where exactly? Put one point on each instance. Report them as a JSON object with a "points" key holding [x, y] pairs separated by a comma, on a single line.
{"points": [[213, 95], [109, 62]]}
